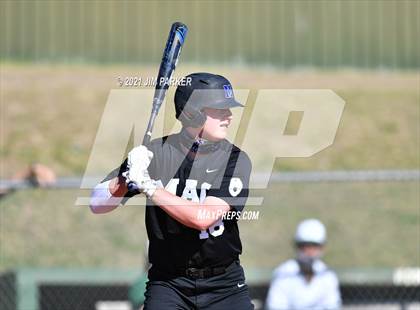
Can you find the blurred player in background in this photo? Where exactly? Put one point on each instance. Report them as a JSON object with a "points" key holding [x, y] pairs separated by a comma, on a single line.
{"points": [[305, 282], [35, 175], [195, 259]]}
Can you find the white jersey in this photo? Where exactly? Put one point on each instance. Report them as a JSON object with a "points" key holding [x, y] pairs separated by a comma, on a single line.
{"points": [[290, 290]]}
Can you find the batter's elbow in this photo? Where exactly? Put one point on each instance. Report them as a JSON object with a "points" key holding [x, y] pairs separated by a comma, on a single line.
{"points": [[101, 210], [96, 209], [100, 203], [101, 200]]}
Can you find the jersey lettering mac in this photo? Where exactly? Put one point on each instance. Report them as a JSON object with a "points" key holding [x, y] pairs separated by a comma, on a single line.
{"points": [[224, 172]]}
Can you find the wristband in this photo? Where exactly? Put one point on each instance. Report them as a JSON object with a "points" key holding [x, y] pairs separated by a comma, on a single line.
{"points": [[150, 188], [101, 196]]}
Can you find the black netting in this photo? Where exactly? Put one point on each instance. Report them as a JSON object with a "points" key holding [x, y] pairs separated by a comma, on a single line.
{"points": [[8, 291], [354, 294], [79, 296]]}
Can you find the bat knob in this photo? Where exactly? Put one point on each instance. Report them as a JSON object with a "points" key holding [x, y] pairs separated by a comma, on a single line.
{"points": [[132, 187]]}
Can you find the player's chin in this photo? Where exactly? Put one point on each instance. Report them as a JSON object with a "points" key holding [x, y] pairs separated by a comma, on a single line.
{"points": [[218, 135], [222, 133]]}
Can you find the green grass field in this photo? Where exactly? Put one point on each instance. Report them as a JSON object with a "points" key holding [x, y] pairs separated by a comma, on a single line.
{"points": [[369, 225], [50, 114]]}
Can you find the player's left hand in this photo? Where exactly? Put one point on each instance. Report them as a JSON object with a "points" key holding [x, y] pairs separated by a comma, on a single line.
{"points": [[138, 161]]}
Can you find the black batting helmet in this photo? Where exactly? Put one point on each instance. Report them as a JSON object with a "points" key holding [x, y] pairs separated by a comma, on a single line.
{"points": [[210, 91]]}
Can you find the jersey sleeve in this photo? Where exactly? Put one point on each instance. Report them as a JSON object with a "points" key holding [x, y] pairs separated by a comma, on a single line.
{"points": [[117, 172], [234, 187]]}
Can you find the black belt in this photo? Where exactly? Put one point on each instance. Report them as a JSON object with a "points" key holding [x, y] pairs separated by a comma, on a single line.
{"points": [[203, 273], [193, 272]]}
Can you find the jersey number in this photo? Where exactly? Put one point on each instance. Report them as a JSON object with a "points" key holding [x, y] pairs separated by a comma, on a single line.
{"points": [[215, 230], [190, 193]]}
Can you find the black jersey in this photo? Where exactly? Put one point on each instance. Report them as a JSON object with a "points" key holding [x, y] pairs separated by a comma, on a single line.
{"points": [[221, 172]]}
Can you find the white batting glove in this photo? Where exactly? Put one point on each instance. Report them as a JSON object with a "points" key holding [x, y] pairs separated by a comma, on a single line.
{"points": [[138, 161]]}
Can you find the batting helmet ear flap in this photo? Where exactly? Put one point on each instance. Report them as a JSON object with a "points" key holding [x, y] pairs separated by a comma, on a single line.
{"points": [[195, 119]]}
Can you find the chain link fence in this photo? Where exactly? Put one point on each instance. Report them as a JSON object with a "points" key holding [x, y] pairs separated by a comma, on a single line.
{"points": [[68, 292]]}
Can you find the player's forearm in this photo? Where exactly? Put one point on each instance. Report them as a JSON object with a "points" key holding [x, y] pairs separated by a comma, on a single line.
{"points": [[107, 196], [118, 187], [188, 212]]}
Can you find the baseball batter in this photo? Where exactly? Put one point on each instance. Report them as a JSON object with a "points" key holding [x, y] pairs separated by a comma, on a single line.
{"points": [[191, 180]]}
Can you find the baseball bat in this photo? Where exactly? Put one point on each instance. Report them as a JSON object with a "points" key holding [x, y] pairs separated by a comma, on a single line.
{"points": [[176, 39]]}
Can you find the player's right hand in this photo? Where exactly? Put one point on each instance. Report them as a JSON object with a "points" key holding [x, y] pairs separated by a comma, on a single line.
{"points": [[139, 157], [138, 161]]}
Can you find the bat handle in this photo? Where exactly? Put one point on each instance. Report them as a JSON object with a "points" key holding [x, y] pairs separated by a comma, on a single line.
{"points": [[147, 137], [131, 186]]}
